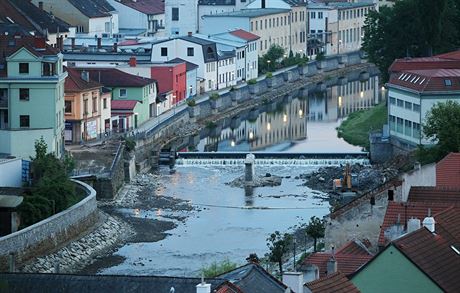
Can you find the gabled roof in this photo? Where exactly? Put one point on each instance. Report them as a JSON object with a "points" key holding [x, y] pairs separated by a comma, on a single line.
{"points": [[188, 65], [93, 8], [334, 283], [74, 82], [151, 7], [346, 263], [424, 63], [448, 171], [455, 55], [242, 34], [433, 254], [403, 212], [428, 80], [123, 104], [34, 17], [354, 248], [252, 278], [111, 77], [434, 194], [216, 2], [249, 13]]}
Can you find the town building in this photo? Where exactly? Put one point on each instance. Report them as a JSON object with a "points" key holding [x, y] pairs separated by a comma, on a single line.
{"points": [[103, 59], [96, 17], [86, 111], [31, 96], [191, 76], [194, 50], [209, 7], [131, 95], [245, 46], [147, 15], [34, 20], [274, 26], [336, 28], [181, 17]]}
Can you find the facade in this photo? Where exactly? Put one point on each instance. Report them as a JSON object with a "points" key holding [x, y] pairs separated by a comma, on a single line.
{"points": [[83, 108], [194, 50], [272, 25], [102, 59], [336, 28], [96, 17], [31, 96], [148, 15], [191, 77], [209, 7], [181, 17]]}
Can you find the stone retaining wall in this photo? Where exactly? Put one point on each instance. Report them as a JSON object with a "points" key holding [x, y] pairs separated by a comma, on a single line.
{"points": [[49, 234]]}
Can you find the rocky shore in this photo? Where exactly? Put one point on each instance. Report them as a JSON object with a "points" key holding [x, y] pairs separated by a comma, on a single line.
{"points": [[259, 181]]}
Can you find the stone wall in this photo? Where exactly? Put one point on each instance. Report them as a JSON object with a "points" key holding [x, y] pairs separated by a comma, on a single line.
{"points": [[47, 235]]}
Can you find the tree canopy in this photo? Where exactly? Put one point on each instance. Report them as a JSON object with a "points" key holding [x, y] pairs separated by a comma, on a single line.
{"points": [[279, 245], [411, 28], [315, 229]]}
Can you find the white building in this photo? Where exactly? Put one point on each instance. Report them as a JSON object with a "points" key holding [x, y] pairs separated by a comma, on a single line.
{"points": [[245, 46], [336, 28], [148, 15], [181, 17], [192, 49], [209, 7]]}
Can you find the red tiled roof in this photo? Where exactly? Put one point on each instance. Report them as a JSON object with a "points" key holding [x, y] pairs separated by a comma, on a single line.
{"points": [[427, 80], [112, 77], [437, 194], [455, 55], [432, 253], [423, 64], [346, 263], [123, 104], [353, 248], [74, 82], [448, 171], [146, 6], [242, 34], [334, 283], [406, 211], [228, 287]]}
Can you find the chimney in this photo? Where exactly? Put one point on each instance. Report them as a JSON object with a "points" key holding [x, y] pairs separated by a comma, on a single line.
{"points": [[429, 222], [263, 3], [40, 5], [99, 43], [72, 43], [331, 266], [39, 43], [189, 34], [203, 287], [85, 75], [413, 225], [294, 280], [115, 47], [60, 43], [132, 61]]}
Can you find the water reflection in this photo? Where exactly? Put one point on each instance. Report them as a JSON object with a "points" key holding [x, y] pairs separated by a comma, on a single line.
{"points": [[282, 125]]}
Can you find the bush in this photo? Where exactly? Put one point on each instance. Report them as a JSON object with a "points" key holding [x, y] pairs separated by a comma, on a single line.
{"points": [[216, 269], [211, 125], [269, 75], [130, 144], [320, 56], [191, 102], [214, 96], [252, 81]]}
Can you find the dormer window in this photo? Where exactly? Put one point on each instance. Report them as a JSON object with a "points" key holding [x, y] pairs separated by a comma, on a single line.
{"points": [[448, 82], [210, 53], [23, 68]]}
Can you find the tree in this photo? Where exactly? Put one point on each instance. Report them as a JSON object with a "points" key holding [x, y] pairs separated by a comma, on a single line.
{"points": [[279, 245], [442, 126], [315, 229], [270, 60], [216, 269]]}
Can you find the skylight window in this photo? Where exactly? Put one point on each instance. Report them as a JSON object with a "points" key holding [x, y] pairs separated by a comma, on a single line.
{"points": [[401, 76], [422, 81], [415, 81], [407, 77], [413, 78], [455, 249], [448, 82]]}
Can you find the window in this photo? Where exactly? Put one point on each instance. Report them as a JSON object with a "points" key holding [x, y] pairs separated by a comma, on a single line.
{"points": [[107, 27], [408, 105], [23, 68], [392, 122], [190, 51], [175, 14], [164, 51], [68, 107], [24, 121], [416, 130], [85, 107], [416, 108], [312, 15], [94, 105], [448, 82], [320, 15], [122, 93], [104, 103], [407, 127], [23, 94], [392, 101], [400, 103], [400, 125]]}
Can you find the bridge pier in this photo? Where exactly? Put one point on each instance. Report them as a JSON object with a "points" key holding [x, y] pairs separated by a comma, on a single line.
{"points": [[249, 171]]}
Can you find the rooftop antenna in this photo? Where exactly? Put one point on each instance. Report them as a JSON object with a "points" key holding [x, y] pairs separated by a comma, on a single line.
{"points": [[202, 278]]}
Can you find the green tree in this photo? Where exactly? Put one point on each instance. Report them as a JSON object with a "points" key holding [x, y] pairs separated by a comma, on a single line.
{"points": [[279, 245], [270, 60], [216, 269], [315, 229], [442, 126]]}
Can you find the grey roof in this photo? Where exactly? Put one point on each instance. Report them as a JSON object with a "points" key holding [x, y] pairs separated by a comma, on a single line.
{"points": [[209, 47], [99, 56], [93, 8], [49, 283], [340, 5], [253, 278], [257, 12], [216, 2], [189, 65], [12, 29]]}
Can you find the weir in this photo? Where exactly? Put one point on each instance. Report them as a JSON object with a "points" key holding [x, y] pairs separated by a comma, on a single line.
{"points": [[266, 162]]}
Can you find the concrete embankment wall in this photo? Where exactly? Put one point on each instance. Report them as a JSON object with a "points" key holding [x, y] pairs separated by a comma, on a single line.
{"points": [[51, 233]]}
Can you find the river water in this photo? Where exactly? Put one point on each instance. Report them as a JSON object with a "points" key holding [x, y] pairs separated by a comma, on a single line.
{"points": [[228, 222]]}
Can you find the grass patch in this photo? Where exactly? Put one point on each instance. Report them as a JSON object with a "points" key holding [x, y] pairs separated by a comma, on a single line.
{"points": [[356, 128]]}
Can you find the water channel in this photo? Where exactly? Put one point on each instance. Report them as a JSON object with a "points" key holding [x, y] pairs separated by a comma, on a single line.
{"points": [[229, 222]]}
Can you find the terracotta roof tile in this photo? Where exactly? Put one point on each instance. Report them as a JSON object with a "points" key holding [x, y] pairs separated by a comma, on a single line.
{"points": [[400, 65], [112, 77], [334, 283], [448, 171], [74, 82], [242, 34], [433, 254], [434, 194], [455, 55], [352, 247], [123, 104], [428, 80], [146, 6]]}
